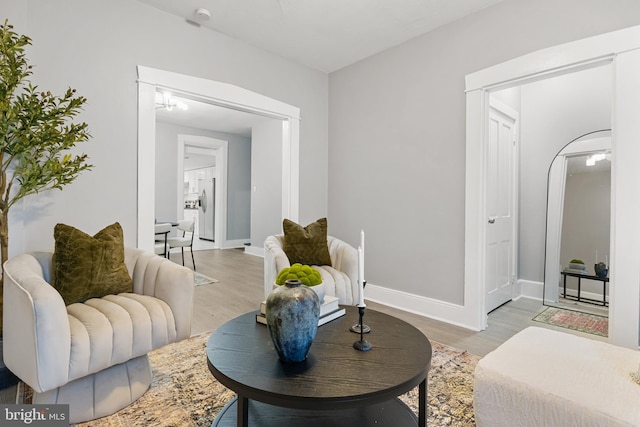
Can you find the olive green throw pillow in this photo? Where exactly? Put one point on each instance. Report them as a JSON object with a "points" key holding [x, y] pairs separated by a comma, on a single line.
{"points": [[306, 245], [89, 267]]}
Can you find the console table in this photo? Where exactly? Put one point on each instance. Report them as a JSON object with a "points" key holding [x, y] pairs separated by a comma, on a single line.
{"points": [[604, 281], [337, 385]]}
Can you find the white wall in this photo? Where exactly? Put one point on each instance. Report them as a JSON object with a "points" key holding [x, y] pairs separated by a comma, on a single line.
{"points": [[509, 97], [95, 47], [166, 171], [239, 188], [16, 12], [266, 180], [397, 137]]}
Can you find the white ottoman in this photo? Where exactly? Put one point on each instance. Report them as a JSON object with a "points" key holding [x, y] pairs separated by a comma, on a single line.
{"points": [[542, 377]]}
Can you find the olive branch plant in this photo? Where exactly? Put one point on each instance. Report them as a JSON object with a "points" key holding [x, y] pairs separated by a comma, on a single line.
{"points": [[36, 134]]}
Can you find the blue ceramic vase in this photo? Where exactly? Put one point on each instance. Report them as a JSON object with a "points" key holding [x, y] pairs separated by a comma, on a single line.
{"points": [[292, 312], [601, 269]]}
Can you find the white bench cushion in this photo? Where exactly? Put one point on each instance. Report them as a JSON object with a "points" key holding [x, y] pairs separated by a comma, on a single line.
{"points": [[542, 377]]}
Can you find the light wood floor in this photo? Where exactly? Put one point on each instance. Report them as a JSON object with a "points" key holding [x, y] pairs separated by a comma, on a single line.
{"points": [[241, 290]]}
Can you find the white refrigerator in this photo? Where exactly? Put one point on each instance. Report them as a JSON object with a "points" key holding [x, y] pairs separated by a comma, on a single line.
{"points": [[206, 211]]}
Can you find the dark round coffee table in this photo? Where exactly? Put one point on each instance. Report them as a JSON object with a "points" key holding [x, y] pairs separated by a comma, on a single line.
{"points": [[337, 385]]}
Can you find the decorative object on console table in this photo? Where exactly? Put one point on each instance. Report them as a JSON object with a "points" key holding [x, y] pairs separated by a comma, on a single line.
{"points": [[292, 313], [601, 269], [576, 266]]}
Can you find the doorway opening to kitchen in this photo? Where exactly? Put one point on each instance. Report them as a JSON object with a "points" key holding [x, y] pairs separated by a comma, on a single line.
{"points": [[201, 189]]}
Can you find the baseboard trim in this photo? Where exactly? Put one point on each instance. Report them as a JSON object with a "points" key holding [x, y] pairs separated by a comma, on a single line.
{"points": [[427, 307], [254, 250], [232, 244], [530, 289]]}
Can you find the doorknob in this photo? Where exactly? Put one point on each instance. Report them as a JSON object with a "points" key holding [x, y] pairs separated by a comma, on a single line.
{"points": [[492, 220]]}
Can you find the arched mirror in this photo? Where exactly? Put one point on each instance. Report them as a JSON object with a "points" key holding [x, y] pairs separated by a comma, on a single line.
{"points": [[578, 225]]}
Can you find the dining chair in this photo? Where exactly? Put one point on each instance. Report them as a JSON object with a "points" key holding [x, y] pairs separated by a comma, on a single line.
{"points": [[186, 240], [161, 240]]}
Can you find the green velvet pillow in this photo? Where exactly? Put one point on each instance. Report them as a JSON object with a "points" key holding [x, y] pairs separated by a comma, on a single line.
{"points": [[89, 267], [306, 245]]}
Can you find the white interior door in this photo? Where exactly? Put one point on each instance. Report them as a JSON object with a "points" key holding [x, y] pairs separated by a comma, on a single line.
{"points": [[500, 240]]}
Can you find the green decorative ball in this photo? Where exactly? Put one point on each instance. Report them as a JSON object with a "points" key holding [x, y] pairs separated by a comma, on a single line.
{"points": [[306, 274]]}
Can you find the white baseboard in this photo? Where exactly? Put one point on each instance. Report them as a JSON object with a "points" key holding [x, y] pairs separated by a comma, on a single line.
{"points": [[232, 244], [535, 290], [254, 250], [441, 310], [530, 289], [423, 306]]}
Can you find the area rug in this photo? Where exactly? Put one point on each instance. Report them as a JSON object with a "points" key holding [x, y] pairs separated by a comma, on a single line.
{"points": [[200, 279], [184, 393], [583, 322]]}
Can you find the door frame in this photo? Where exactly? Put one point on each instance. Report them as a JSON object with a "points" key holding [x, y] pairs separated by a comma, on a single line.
{"points": [[220, 148], [217, 93], [622, 49]]}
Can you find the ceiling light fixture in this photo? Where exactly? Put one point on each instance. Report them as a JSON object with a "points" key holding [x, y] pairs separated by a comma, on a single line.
{"points": [[591, 160], [166, 101]]}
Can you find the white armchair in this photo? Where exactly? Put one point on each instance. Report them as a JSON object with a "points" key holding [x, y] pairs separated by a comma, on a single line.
{"points": [[92, 355], [340, 279]]}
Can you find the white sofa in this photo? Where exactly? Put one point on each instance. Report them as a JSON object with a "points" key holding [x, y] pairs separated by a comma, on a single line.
{"points": [[92, 355], [542, 377], [340, 278]]}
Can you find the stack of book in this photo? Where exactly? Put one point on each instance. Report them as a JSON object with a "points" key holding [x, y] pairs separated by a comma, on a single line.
{"points": [[576, 268], [329, 310]]}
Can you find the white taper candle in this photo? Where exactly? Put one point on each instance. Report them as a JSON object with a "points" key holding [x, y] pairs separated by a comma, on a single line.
{"points": [[360, 278], [362, 246]]}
